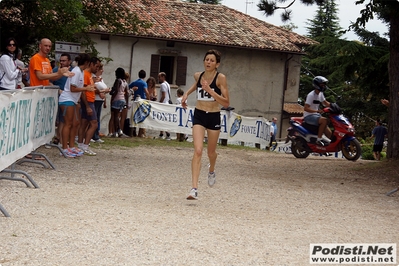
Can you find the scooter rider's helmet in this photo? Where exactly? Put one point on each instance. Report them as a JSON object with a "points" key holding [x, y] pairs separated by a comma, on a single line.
{"points": [[320, 83]]}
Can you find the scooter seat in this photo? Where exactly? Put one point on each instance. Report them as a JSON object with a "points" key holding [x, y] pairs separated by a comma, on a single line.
{"points": [[311, 128]]}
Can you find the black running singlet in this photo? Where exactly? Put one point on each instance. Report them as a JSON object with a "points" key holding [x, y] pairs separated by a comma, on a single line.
{"points": [[202, 95]]}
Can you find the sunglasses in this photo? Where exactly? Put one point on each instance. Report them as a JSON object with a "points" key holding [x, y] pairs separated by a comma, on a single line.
{"points": [[12, 44]]}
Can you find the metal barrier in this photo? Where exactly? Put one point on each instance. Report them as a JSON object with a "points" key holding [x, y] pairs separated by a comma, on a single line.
{"points": [[18, 139]]}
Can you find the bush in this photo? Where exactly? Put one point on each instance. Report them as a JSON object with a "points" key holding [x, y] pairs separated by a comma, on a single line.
{"points": [[367, 152]]}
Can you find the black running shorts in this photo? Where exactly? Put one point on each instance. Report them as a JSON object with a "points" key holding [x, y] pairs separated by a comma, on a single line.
{"points": [[209, 120]]}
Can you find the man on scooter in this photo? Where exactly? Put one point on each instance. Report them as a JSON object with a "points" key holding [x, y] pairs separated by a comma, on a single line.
{"points": [[312, 113]]}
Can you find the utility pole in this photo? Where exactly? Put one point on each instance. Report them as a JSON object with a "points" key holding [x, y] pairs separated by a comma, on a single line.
{"points": [[246, 5]]}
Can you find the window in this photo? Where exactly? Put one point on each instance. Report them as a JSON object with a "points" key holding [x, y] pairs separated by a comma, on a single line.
{"points": [[175, 68]]}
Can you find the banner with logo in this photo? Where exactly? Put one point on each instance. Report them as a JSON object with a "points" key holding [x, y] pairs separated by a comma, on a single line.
{"points": [[27, 121], [174, 118]]}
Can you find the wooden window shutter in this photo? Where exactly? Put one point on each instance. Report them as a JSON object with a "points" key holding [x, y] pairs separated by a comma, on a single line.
{"points": [[181, 70], [154, 68]]}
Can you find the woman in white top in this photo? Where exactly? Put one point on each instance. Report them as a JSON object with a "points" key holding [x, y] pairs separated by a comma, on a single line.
{"points": [[99, 102], [9, 70]]}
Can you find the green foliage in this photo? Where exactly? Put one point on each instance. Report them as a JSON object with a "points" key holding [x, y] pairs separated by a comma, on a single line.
{"points": [[356, 72], [64, 20], [387, 11], [367, 152], [29, 21], [289, 26], [325, 22]]}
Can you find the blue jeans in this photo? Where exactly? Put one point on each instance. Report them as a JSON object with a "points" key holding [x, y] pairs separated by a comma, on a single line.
{"points": [[98, 106]]}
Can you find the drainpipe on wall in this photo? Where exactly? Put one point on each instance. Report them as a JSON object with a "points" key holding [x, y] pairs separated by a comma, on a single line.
{"points": [[131, 57], [286, 70]]}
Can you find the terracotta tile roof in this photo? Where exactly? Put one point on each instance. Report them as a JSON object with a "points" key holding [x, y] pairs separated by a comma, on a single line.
{"points": [[293, 108], [210, 24]]}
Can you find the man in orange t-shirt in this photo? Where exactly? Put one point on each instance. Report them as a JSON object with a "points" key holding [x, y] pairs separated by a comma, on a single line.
{"points": [[89, 123], [40, 70]]}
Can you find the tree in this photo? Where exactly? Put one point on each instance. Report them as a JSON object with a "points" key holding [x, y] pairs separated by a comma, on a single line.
{"points": [[387, 11], [29, 21], [289, 26], [357, 71], [325, 22]]}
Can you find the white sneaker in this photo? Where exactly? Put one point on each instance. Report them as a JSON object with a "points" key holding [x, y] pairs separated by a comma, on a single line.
{"points": [[193, 194], [167, 138], [99, 141], [90, 152], [211, 177], [323, 142]]}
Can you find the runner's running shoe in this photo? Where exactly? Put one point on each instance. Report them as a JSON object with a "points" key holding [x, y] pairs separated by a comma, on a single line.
{"points": [[211, 177], [193, 194]]}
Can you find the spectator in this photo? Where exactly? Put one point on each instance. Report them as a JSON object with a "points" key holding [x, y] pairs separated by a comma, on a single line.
{"points": [[119, 99], [21, 79], [123, 119], [68, 100], [102, 89], [211, 91], [65, 61], [385, 102], [165, 97], [40, 70], [152, 90], [379, 133], [89, 117], [139, 87], [140, 90], [273, 134], [9, 70]]}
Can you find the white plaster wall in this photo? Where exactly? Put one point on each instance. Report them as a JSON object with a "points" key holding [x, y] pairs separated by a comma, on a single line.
{"points": [[255, 78]]}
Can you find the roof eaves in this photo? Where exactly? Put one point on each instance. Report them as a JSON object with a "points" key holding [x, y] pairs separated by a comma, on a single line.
{"points": [[238, 46]]}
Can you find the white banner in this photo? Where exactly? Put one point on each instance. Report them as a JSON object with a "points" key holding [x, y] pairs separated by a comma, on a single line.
{"points": [[27, 121], [174, 118]]}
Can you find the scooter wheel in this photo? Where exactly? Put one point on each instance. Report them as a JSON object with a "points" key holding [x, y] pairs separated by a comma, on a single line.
{"points": [[298, 149], [351, 149]]}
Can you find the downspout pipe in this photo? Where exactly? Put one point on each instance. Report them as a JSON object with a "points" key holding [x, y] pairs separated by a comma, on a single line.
{"points": [[131, 57], [286, 71]]}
